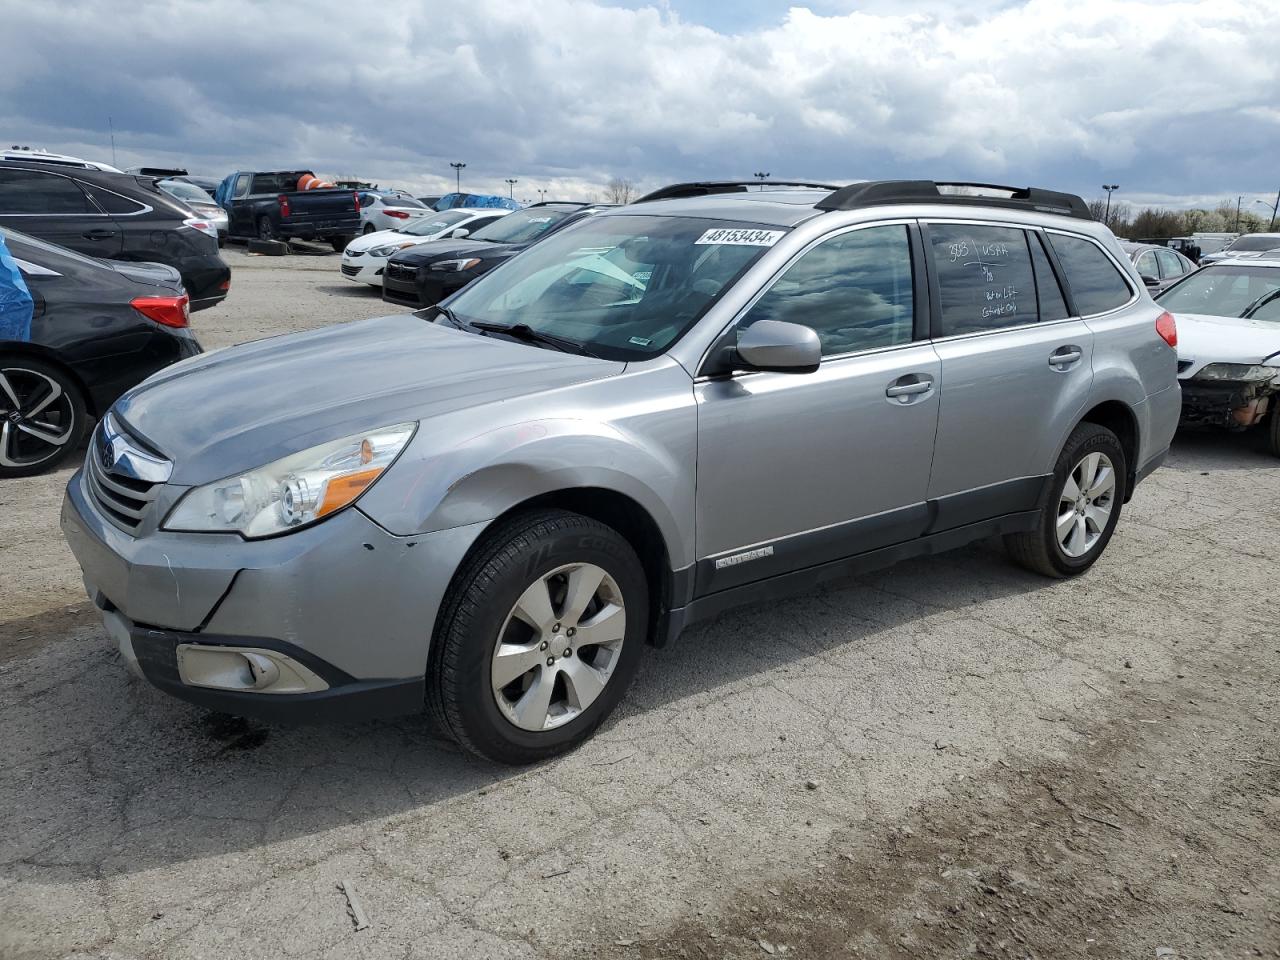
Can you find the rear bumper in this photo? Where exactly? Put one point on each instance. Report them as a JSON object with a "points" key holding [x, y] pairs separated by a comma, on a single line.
{"points": [[323, 230]]}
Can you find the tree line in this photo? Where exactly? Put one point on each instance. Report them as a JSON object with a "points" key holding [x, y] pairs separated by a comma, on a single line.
{"points": [[1161, 223]]}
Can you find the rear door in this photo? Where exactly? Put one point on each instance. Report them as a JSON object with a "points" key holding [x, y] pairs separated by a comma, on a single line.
{"points": [[1016, 368], [53, 207]]}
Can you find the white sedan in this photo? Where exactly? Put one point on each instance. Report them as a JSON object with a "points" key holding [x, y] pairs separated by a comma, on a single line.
{"points": [[387, 211], [366, 256]]}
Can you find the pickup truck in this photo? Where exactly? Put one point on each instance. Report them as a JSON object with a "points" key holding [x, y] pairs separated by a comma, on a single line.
{"points": [[269, 206]]}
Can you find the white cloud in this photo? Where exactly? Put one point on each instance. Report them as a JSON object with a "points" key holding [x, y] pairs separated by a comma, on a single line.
{"points": [[1171, 98]]}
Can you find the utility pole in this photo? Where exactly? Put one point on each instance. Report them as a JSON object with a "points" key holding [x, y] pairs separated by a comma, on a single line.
{"points": [[762, 177], [511, 187], [112, 127], [1274, 208], [1109, 187], [1239, 200], [457, 173]]}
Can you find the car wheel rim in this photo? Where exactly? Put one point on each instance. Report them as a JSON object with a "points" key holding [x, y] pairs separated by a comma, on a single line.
{"points": [[558, 647], [1085, 504], [37, 418]]}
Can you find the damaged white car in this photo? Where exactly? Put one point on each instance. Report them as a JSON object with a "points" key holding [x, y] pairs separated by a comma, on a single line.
{"points": [[1228, 318]]}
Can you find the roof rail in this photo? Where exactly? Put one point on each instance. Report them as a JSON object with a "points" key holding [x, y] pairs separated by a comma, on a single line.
{"points": [[703, 188], [877, 192]]}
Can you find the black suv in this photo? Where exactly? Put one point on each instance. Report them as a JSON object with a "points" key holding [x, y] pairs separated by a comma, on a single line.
{"points": [[114, 216], [423, 275]]}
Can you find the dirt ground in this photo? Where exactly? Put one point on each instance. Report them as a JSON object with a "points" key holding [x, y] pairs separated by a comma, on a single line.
{"points": [[951, 758]]}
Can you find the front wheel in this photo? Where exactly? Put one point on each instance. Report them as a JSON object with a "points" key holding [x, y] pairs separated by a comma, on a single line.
{"points": [[42, 416], [1273, 428], [539, 637], [1089, 484]]}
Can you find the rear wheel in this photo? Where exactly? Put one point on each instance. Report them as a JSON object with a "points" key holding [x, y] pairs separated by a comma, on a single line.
{"points": [[539, 637], [1083, 509], [266, 230], [369, 228], [42, 416], [339, 243]]}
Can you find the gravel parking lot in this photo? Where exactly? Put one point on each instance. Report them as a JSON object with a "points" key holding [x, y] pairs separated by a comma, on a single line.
{"points": [[950, 758]]}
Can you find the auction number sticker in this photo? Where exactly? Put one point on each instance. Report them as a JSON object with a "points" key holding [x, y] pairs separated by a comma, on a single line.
{"points": [[736, 236]]}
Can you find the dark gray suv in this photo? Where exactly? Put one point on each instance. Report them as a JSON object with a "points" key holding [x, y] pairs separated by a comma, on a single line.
{"points": [[710, 397]]}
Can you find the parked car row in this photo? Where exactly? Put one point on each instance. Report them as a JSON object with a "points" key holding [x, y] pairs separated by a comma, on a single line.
{"points": [[365, 258]]}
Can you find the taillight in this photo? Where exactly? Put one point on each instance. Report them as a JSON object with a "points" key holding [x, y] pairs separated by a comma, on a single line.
{"points": [[204, 226], [166, 311], [398, 214], [1167, 328], [284, 205], [357, 199]]}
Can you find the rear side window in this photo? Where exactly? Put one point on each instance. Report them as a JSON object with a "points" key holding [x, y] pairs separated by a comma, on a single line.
{"points": [[1171, 265], [31, 191], [113, 202], [1096, 284], [266, 183], [985, 278], [1053, 306], [855, 290], [1147, 265]]}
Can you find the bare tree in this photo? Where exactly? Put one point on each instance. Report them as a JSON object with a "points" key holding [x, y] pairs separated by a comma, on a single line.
{"points": [[619, 191]]}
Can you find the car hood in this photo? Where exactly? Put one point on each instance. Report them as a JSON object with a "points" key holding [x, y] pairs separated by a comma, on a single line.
{"points": [[451, 249], [1204, 339], [382, 237], [226, 412], [152, 274]]}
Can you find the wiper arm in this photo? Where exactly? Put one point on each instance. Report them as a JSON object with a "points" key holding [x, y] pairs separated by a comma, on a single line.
{"points": [[522, 331], [450, 316]]}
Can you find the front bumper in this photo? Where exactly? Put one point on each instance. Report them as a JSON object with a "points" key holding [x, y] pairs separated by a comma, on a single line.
{"points": [[404, 292], [352, 603], [364, 269], [1233, 405]]}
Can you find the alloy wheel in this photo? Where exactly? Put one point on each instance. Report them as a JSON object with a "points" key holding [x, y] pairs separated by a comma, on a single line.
{"points": [[37, 418], [558, 647], [1085, 504]]}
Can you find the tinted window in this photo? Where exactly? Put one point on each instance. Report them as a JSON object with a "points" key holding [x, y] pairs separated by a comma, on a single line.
{"points": [[29, 191], [1171, 265], [522, 225], [266, 183], [1096, 285], [855, 290], [114, 203], [1053, 306], [1146, 265], [985, 278]]}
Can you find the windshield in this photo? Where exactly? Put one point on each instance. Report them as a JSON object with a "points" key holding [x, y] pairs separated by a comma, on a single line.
{"points": [[399, 201], [1221, 291], [626, 287], [522, 226], [185, 191], [426, 226], [1254, 244]]}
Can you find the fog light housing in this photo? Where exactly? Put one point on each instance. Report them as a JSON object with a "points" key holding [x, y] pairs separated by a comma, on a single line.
{"points": [[245, 670]]}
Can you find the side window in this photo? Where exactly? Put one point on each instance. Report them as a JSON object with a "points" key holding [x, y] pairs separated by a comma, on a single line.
{"points": [[113, 202], [1170, 264], [1053, 306], [265, 183], [985, 278], [31, 191], [1147, 265], [855, 290], [242, 186], [1096, 285]]}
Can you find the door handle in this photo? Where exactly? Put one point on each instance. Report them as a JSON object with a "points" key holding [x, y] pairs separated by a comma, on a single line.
{"points": [[1063, 357], [911, 385], [99, 233]]}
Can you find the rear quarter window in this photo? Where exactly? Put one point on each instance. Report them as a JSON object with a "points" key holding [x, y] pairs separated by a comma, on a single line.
{"points": [[1096, 284], [112, 202]]}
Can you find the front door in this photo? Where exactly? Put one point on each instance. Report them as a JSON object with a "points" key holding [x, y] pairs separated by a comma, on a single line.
{"points": [[798, 469]]}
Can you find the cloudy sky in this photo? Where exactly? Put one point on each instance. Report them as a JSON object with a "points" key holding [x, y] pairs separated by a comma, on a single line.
{"points": [[1176, 102]]}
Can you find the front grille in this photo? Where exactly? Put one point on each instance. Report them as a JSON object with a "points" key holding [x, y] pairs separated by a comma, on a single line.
{"points": [[401, 271], [350, 270], [122, 499]]}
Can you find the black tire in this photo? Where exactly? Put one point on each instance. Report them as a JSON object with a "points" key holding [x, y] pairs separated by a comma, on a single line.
{"points": [[340, 243], [512, 556], [1039, 549], [368, 228], [266, 229], [1273, 427], [32, 380]]}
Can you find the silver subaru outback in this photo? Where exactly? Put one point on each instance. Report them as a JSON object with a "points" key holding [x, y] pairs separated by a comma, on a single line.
{"points": [[709, 397]]}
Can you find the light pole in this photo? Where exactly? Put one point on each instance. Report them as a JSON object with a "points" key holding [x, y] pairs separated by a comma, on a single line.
{"points": [[542, 195], [457, 174], [1106, 217], [511, 187], [762, 177], [1274, 208]]}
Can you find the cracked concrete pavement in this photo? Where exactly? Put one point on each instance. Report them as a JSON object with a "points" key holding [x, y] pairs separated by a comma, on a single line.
{"points": [[139, 826]]}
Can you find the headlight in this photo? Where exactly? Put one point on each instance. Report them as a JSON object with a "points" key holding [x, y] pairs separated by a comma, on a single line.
{"points": [[389, 249], [292, 492], [455, 265], [1237, 372]]}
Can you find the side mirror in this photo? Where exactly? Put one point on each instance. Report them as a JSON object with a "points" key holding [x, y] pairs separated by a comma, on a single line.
{"points": [[1150, 281], [779, 347], [459, 233]]}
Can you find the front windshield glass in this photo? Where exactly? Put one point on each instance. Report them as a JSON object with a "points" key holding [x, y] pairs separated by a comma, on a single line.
{"points": [[185, 191], [522, 225], [1221, 291], [426, 226], [1253, 244], [625, 287]]}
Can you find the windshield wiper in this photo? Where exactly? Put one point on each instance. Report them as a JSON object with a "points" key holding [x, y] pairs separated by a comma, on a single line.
{"points": [[522, 331], [449, 315]]}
